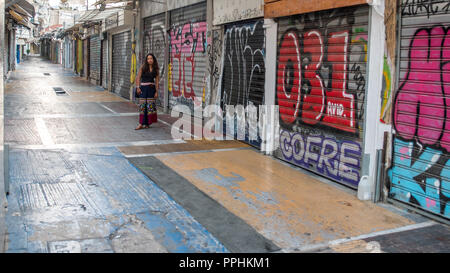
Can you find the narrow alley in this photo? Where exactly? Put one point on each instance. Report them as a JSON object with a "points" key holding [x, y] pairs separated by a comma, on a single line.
{"points": [[82, 180]]}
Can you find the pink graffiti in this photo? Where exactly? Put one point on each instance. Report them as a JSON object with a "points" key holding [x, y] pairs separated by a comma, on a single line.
{"points": [[405, 153], [331, 106], [430, 203], [420, 108], [185, 42]]}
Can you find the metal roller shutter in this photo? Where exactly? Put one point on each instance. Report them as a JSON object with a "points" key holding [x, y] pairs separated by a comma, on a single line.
{"points": [[94, 59], [86, 58], [155, 42], [79, 67], [321, 72], [121, 63], [244, 69], [420, 173], [105, 58], [188, 60]]}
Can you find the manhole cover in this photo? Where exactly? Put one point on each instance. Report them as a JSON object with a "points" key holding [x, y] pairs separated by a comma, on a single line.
{"points": [[59, 91]]}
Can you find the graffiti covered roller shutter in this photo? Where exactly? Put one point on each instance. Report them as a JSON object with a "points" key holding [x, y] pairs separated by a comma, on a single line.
{"points": [[321, 72], [155, 42], [244, 68], [188, 59], [105, 58], [121, 63], [420, 173], [94, 58]]}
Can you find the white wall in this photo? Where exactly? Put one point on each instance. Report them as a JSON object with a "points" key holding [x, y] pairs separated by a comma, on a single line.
{"points": [[226, 11]]}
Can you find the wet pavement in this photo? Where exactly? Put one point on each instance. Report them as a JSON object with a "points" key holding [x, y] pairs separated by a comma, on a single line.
{"points": [[83, 180]]}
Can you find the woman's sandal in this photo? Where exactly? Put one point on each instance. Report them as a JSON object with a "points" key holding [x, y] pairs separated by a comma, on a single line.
{"points": [[146, 127], [139, 127]]}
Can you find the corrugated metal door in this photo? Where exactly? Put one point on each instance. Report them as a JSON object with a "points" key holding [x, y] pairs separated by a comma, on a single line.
{"points": [[80, 65], [188, 59], [105, 58], [94, 59], [420, 173], [155, 42], [6, 52], [86, 58], [321, 72], [243, 76], [121, 63]]}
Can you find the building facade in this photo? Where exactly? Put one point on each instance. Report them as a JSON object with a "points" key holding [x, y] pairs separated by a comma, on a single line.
{"points": [[360, 85]]}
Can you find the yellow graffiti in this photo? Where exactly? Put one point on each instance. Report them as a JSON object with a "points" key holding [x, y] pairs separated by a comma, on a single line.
{"points": [[133, 64], [387, 90], [170, 78]]}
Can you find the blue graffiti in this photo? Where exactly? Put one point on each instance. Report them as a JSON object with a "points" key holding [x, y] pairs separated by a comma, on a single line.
{"points": [[421, 177], [339, 160]]}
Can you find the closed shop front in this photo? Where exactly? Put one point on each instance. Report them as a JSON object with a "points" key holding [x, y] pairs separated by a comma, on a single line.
{"points": [[188, 58], [86, 55], [243, 75], [105, 62], [67, 53], [320, 91], [121, 63], [155, 42], [420, 172], [94, 59], [80, 52]]}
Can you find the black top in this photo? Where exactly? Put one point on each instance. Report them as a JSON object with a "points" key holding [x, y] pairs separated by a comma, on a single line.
{"points": [[148, 76]]}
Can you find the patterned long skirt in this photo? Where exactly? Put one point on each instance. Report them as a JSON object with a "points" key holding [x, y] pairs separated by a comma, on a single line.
{"points": [[147, 111]]}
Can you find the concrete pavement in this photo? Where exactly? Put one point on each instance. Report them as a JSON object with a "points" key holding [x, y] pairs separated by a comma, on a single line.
{"points": [[83, 180]]}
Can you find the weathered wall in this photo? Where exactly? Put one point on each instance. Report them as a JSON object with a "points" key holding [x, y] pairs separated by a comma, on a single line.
{"points": [[175, 4], [149, 8], [226, 11], [390, 21], [279, 8]]}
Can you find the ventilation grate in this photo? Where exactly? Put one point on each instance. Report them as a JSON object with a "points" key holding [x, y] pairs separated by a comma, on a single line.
{"points": [[59, 91]]}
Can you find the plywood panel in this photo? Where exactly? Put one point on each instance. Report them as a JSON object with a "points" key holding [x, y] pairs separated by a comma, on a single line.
{"points": [[291, 7]]}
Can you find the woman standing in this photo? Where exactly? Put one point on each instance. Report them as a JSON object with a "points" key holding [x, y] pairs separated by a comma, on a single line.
{"points": [[147, 82]]}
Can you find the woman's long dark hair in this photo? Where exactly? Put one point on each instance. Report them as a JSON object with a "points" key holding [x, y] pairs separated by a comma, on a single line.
{"points": [[145, 66]]}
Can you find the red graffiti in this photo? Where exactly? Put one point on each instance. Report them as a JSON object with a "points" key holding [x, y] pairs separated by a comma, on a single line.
{"points": [[328, 105], [185, 42], [421, 105], [289, 76]]}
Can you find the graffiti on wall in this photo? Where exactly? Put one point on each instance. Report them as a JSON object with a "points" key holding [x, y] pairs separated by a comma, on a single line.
{"points": [[244, 68], [336, 159], [430, 7], [312, 75], [321, 85], [386, 91], [186, 42], [214, 50], [421, 169]]}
